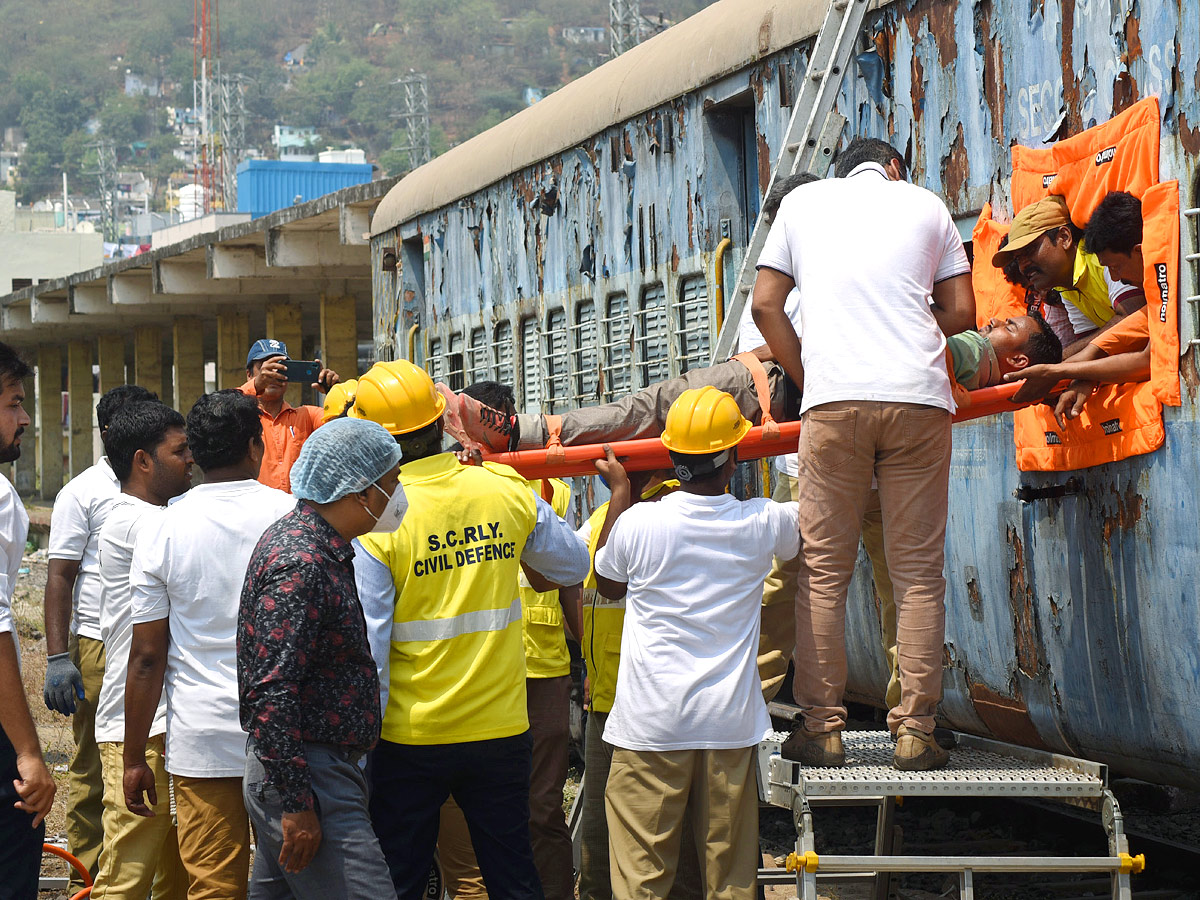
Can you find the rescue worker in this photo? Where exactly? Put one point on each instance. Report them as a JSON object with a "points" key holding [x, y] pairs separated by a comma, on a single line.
{"points": [[689, 712], [603, 618], [1053, 254], [548, 701], [441, 587]]}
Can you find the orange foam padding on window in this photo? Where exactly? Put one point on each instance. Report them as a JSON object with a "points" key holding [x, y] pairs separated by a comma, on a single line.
{"points": [[1119, 421], [1160, 253], [1033, 173], [995, 298], [1118, 155]]}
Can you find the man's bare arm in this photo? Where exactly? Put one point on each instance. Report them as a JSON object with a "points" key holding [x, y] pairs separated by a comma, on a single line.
{"points": [[58, 601], [954, 304], [767, 307], [571, 599], [143, 688]]}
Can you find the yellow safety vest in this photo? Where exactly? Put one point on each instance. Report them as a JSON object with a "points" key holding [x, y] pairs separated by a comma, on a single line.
{"points": [[457, 660], [546, 654], [604, 619], [1088, 289]]}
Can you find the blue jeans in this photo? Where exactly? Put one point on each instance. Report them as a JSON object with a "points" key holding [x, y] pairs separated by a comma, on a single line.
{"points": [[490, 782], [20, 842], [348, 863]]}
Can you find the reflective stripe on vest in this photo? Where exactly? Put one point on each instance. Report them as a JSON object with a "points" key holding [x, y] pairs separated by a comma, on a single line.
{"points": [[468, 623]]}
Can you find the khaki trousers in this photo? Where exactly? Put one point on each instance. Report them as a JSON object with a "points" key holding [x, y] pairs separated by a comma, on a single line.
{"points": [[595, 882], [456, 854], [139, 853], [214, 836], [646, 798], [85, 780], [907, 448], [777, 630], [643, 414]]}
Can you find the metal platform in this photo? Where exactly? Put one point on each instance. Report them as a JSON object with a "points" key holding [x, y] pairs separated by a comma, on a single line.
{"points": [[978, 768]]}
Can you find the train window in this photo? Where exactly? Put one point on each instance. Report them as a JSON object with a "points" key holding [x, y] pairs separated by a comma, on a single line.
{"points": [[477, 356], [531, 365], [617, 377], [454, 362], [433, 360], [502, 352], [558, 380], [586, 354], [691, 324], [653, 336]]}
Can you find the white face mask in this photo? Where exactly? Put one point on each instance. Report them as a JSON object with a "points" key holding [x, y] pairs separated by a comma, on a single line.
{"points": [[389, 520]]}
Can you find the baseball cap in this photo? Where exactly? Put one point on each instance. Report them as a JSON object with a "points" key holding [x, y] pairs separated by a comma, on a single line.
{"points": [[265, 349], [1030, 224]]}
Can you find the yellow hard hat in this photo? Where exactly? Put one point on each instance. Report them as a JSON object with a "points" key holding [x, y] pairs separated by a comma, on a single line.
{"points": [[704, 420], [398, 395], [339, 396]]}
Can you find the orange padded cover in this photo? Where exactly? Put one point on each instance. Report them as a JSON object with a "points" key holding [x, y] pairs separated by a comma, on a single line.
{"points": [[994, 297]]}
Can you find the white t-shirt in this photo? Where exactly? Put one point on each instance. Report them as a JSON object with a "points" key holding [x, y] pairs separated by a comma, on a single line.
{"points": [[750, 338], [75, 523], [865, 253], [14, 530], [689, 648], [190, 570], [127, 517]]}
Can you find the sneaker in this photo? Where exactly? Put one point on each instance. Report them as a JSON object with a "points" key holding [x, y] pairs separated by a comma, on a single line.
{"points": [[917, 751], [814, 748], [478, 423]]}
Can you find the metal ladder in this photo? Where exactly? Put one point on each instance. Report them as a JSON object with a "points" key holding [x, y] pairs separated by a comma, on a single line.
{"points": [[808, 145], [978, 768]]}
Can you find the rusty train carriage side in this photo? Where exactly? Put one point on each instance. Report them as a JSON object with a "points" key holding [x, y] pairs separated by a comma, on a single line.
{"points": [[1072, 620]]}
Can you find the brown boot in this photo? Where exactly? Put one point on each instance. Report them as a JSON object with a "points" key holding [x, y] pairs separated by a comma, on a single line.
{"points": [[917, 751], [814, 748]]}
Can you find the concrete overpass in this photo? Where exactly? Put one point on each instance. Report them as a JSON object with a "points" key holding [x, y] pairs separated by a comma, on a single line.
{"points": [[300, 275]]}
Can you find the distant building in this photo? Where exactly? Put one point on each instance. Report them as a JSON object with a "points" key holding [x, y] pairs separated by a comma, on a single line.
{"points": [[28, 256], [265, 185], [295, 56], [293, 143], [133, 186], [585, 34], [9, 160], [138, 85]]}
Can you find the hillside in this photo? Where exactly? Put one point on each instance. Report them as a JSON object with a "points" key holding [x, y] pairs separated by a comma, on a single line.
{"points": [[64, 76]]}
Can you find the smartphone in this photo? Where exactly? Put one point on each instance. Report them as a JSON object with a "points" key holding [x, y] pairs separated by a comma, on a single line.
{"points": [[301, 371]]}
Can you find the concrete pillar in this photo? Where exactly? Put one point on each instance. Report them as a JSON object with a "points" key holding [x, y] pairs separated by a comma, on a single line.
{"points": [[25, 468], [111, 351], [233, 342], [50, 420], [79, 398], [188, 347], [147, 358], [339, 335], [283, 324]]}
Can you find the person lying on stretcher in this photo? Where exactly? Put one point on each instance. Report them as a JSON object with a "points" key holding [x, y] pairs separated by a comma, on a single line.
{"points": [[978, 359], [1121, 352]]}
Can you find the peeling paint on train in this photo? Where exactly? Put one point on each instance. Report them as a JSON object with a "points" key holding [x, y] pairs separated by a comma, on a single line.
{"points": [[1072, 614]]}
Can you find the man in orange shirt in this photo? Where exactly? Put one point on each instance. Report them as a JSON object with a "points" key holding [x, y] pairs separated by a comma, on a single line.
{"points": [[285, 427]]}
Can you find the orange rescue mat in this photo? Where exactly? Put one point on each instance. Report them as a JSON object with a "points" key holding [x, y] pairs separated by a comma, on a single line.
{"points": [[1118, 421], [647, 454], [995, 298]]}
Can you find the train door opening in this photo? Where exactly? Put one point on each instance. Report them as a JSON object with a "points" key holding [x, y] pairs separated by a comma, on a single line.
{"points": [[732, 157]]}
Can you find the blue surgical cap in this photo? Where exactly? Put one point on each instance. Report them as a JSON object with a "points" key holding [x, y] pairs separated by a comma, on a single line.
{"points": [[343, 457]]}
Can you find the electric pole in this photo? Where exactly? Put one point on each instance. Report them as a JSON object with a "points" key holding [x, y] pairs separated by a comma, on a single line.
{"points": [[414, 115], [624, 23]]}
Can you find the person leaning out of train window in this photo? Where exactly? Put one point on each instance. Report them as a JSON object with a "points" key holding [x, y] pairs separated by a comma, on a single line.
{"points": [[1053, 254], [1048, 303], [1118, 354], [285, 427]]}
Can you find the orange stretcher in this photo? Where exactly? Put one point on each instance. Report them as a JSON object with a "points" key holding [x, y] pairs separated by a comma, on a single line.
{"points": [[646, 454]]}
